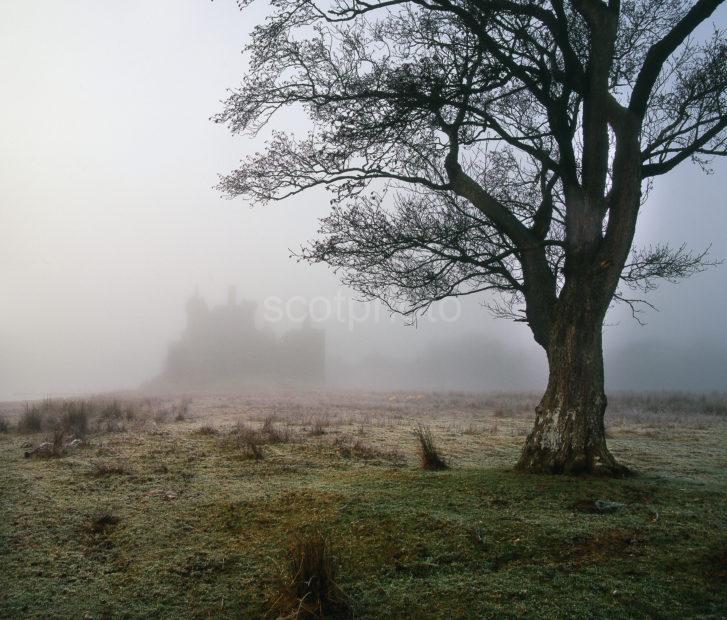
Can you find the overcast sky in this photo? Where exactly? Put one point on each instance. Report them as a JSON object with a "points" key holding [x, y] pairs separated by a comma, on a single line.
{"points": [[109, 219]]}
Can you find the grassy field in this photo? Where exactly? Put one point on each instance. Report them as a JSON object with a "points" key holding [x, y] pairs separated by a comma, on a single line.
{"points": [[165, 511]]}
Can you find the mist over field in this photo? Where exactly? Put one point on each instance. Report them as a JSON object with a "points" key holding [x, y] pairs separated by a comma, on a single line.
{"points": [[203, 412], [109, 223]]}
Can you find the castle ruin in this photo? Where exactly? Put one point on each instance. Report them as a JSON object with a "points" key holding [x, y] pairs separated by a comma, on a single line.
{"points": [[223, 349]]}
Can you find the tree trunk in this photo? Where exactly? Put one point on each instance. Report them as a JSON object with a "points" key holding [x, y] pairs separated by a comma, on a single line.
{"points": [[569, 436]]}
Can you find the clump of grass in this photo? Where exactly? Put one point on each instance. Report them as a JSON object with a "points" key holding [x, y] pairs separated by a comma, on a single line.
{"points": [[58, 442], [246, 441], [206, 430], [429, 456], [161, 415], [32, 419], [503, 411], [679, 408], [274, 434], [104, 470], [254, 451], [361, 450], [101, 522], [318, 428], [76, 417], [181, 409], [111, 417], [309, 589], [73, 418], [358, 449]]}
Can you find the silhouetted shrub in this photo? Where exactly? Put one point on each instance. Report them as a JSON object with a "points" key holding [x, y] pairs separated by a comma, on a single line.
{"points": [[4, 425]]}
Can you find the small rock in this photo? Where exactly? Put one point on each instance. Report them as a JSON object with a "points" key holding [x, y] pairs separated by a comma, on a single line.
{"points": [[604, 505], [162, 493], [76, 443], [598, 506]]}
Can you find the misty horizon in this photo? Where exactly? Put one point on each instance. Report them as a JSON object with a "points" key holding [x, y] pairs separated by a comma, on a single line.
{"points": [[447, 358], [110, 221]]}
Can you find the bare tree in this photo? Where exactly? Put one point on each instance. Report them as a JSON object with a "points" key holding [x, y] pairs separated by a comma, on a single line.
{"points": [[492, 145]]}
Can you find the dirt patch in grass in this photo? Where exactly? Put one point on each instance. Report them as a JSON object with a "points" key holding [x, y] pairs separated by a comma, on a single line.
{"points": [[101, 522], [605, 546], [715, 565]]}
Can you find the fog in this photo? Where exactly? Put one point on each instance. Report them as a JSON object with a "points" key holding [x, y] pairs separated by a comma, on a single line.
{"points": [[109, 224]]}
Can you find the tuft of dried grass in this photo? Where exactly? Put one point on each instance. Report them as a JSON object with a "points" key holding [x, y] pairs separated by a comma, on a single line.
{"points": [[162, 415], [104, 470], [246, 441], [254, 451], [111, 417], [309, 589], [77, 417], [181, 409], [359, 449], [32, 419], [274, 434], [429, 456], [503, 411], [58, 442], [318, 427], [206, 430], [101, 522], [73, 418]]}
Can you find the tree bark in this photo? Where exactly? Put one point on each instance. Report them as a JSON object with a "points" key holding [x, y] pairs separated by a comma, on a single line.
{"points": [[569, 435]]}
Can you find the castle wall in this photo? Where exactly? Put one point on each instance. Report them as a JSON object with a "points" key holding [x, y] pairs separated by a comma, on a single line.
{"points": [[222, 347]]}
